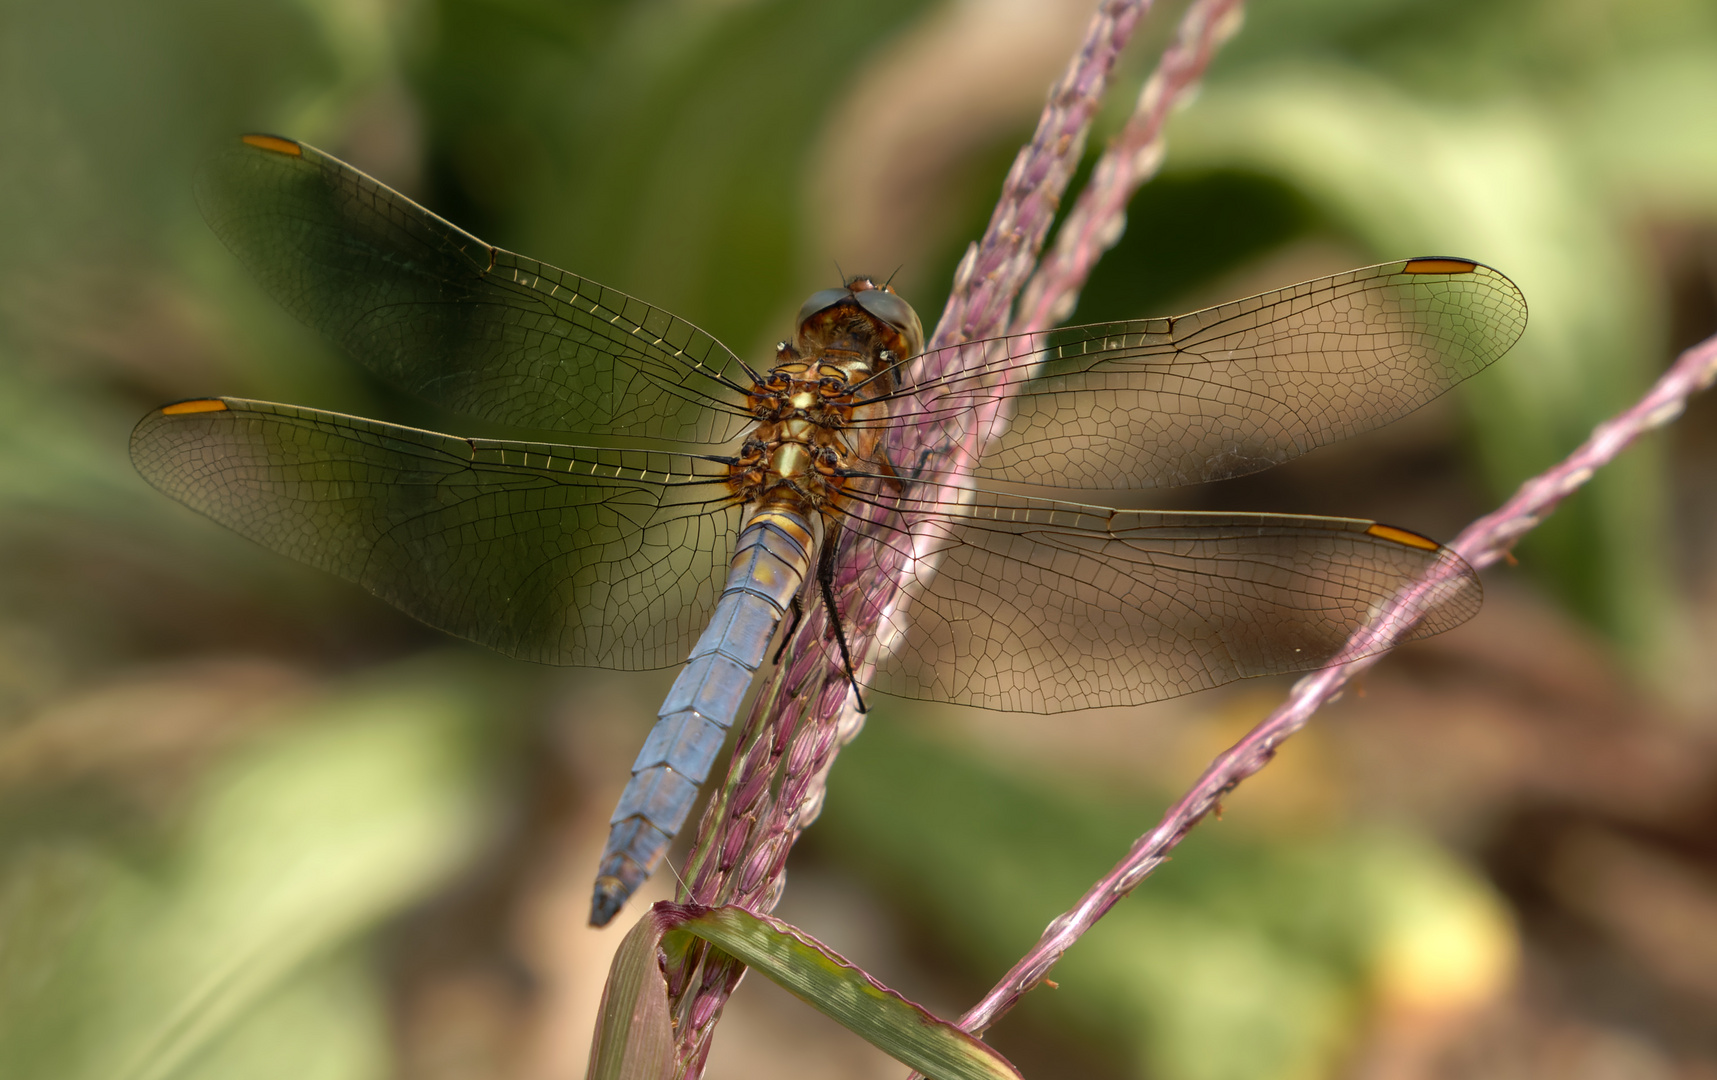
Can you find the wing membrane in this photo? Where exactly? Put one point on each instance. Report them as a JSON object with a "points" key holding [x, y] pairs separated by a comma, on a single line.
{"points": [[443, 315], [566, 554], [556, 554], [1229, 390], [1042, 606]]}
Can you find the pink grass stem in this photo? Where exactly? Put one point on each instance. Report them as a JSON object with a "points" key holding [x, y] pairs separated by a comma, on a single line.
{"points": [[1097, 220], [997, 266]]}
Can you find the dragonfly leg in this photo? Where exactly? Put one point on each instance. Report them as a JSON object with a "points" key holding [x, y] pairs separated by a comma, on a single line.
{"points": [[889, 472], [792, 627], [826, 582]]}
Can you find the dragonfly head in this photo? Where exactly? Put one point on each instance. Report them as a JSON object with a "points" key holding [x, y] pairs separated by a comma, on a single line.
{"points": [[861, 316]]}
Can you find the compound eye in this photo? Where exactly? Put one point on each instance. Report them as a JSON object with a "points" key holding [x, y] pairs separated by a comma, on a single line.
{"points": [[820, 301], [887, 305]]}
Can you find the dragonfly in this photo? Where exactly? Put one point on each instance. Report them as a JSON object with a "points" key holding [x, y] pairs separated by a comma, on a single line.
{"points": [[609, 552]]}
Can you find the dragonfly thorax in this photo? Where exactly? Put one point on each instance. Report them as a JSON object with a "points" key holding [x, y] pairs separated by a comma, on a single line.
{"points": [[797, 453], [845, 346]]}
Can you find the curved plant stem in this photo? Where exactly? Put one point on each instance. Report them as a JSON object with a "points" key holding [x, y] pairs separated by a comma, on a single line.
{"points": [[1096, 222]]}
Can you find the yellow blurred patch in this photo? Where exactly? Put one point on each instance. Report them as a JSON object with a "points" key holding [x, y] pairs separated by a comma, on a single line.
{"points": [[1451, 947]]}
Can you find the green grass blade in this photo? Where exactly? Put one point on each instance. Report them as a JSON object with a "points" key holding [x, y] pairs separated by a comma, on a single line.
{"points": [[822, 979], [634, 1039]]}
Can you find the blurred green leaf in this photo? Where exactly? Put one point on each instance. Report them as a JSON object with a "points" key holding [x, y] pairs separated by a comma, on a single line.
{"points": [[817, 976], [634, 1035], [289, 852], [1647, 128], [670, 161], [328, 1021]]}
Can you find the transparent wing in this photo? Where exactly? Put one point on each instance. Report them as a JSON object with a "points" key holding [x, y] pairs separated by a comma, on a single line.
{"points": [[441, 314], [1041, 606], [1229, 390], [556, 554]]}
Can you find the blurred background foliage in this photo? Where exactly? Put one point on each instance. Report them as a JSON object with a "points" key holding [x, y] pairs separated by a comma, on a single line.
{"points": [[252, 823]]}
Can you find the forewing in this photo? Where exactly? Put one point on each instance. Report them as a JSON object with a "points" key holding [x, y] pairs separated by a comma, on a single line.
{"points": [[1039, 606], [556, 554], [443, 315], [1229, 390]]}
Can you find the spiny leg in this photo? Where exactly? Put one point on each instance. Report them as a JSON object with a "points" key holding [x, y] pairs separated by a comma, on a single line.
{"points": [[889, 473], [798, 617], [826, 581]]}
